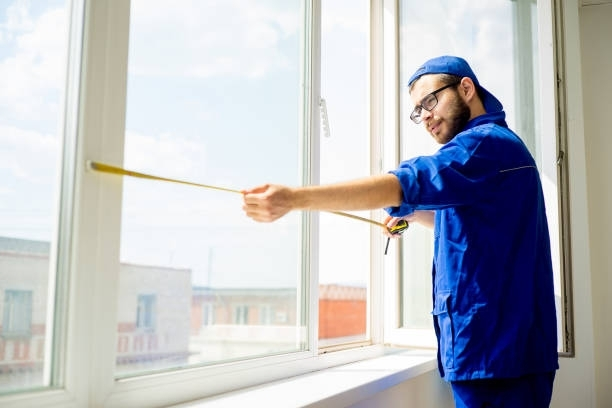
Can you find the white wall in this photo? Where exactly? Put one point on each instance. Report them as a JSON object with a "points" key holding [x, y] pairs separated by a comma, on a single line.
{"points": [[574, 386], [595, 36]]}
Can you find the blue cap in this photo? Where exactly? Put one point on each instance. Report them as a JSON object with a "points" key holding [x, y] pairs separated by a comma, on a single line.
{"points": [[457, 66]]}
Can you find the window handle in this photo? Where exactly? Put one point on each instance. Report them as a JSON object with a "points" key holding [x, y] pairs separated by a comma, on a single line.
{"points": [[324, 117]]}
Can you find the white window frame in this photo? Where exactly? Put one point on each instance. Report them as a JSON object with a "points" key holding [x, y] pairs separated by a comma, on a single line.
{"points": [[550, 46]]}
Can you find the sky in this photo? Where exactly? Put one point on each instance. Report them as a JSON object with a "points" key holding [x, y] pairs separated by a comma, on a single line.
{"points": [[237, 125], [32, 58], [213, 96]]}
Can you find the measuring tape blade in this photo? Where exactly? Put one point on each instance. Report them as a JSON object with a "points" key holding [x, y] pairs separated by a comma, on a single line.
{"points": [[107, 168], [110, 169]]}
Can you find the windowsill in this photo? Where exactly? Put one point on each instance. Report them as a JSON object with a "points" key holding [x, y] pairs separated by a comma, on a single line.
{"points": [[333, 387]]}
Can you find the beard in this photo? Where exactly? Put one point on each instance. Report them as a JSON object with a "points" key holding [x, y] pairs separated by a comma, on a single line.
{"points": [[458, 115]]}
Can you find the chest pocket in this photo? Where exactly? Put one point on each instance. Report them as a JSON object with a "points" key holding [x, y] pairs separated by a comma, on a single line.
{"points": [[445, 329]]}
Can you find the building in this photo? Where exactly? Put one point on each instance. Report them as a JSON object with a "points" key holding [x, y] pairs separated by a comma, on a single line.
{"points": [[153, 313], [162, 320]]}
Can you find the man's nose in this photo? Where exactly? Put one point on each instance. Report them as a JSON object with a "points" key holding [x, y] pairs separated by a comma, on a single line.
{"points": [[425, 115]]}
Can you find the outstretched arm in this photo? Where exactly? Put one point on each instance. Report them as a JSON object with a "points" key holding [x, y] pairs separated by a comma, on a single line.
{"points": [[269, 202]]}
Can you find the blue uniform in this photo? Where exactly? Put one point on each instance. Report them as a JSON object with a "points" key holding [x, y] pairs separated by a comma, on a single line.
{"points": [[493, 296]]}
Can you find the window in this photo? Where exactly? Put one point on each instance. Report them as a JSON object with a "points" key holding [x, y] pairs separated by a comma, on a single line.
{"points": [[145, 313], [33, 61], [265, 314], [241, 314], [17, 319], [344, 264], [208, 314], [501, 44], [213, 96]]}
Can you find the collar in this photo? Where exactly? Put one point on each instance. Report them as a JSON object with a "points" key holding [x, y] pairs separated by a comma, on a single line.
{"points": [[498, 118]]}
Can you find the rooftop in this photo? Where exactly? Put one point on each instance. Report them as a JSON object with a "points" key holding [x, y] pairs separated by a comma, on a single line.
{"points": [[24, 246]]}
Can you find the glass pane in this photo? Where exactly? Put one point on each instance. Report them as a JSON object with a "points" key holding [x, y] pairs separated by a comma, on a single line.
{"points": [[33, 49], [344, 242], [500, 43], [213, 98]]}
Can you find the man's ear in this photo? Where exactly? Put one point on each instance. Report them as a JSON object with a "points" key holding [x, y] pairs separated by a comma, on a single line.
{"points": [[467, 89]]}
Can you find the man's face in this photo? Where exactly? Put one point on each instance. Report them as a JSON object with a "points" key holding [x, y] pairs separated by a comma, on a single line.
{"points": [[450, 114]]}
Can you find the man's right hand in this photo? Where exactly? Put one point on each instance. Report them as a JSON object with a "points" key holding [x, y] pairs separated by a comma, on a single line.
{"points": [[268, 202]]}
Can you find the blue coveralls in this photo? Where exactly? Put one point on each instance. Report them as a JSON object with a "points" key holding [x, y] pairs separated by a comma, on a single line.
{"points": [[493, 295]]}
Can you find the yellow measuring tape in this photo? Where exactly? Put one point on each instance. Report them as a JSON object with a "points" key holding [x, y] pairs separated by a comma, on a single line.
{"points": [[107, 168]]}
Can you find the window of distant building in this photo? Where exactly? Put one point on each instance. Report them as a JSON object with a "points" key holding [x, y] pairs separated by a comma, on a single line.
{"points": [[241, 314], [266, 314], [208, 314], [146, 312], [17, 317]]}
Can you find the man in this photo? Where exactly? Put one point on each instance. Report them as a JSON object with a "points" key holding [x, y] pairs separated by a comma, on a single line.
{"points": [[494, 308]]}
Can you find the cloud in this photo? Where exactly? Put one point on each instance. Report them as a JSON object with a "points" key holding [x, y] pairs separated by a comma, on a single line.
{"points": [[18, 18], [349, 15], [32, 75], [167, 153], [480, 32], [203, 39], [172, 156], [28, 155]]}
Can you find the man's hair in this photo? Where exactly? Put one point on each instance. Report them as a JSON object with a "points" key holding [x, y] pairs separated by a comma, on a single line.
{"points": [[449, 78]]}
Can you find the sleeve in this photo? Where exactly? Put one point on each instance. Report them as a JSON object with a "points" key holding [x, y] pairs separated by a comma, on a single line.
{"points": [[459, 173]]}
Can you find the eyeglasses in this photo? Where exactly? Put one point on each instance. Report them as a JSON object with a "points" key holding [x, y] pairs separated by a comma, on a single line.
{"points": [[428, 103]]}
